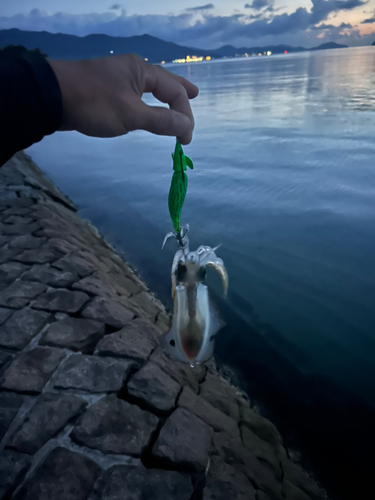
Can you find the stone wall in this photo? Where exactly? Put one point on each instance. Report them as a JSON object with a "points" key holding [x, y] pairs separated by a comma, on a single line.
{"points": [[90, 408]]}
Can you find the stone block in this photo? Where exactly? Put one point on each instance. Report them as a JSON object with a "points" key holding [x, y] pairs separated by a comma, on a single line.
{"points": [[50, 276], [21, 327], [61, 300], [19, 293], [10, 403], [219, 393], [109, 311], [115, 426], [30, 370], [13, 468], [9, 271], [77, 334]]}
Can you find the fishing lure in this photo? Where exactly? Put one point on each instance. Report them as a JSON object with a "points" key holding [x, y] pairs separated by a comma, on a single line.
{"points": [[195, 321]]}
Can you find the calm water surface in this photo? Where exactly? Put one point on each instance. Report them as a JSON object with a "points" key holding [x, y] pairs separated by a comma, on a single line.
{"points": [[284, 179]]}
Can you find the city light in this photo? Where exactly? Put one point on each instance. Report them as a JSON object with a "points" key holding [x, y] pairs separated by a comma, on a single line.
{"points": [[285, 51], [146, 59], [208, 58], [111, 51]]}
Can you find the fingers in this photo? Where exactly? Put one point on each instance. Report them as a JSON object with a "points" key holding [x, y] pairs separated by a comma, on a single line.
{"points": [[175, 91], [162, 121]]}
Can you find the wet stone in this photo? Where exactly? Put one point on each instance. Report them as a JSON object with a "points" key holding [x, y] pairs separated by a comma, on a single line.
{"points": [[184, 442], [38, 256], [180, 372], [16, 219], [154, 388], [264, 451], [13, 468], [237, 455], [61, 300], [114, 426], [109, 311], [137, 482], [19, 293], [4, 314], [298, 477], [220, 394], [261, 426], [9, 271], [96, 285], [76, 264], [224, 481], [50, 276], [10, 403], [77, 334], [20, 229], [291, 492], [144, 304], [93, 374], [4, 240], [5, 357], [135, 341], [30, 370], [26, 242], [21, 327], [64, 475], [16, 211], [46, 418], [218, 420], [8, 254]]}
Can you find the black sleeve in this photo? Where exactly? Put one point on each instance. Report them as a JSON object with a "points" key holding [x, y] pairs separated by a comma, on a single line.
{"points": [[30, 102]]}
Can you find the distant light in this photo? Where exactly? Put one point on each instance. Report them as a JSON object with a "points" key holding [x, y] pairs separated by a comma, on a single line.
{"points": [[246, 55], [285, 51], [208, 58], [269, 53], [146, 59], [259, 54], [111, 51], [163, 62]]}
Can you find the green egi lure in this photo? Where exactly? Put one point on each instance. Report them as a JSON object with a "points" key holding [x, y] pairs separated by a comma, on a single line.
{"points": [[179, 184]]}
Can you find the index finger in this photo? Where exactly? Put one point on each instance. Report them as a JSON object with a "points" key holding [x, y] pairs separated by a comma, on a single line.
{"points": [[173, 90]]}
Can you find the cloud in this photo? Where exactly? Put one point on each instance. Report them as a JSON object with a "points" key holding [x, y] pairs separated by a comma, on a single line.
{"points": [[207, 31], [115, 6], [259, 4], [369, 20], [208, 6]]}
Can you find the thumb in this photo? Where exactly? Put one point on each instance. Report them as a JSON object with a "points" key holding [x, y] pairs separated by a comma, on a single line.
{"points": [[164, 121]]}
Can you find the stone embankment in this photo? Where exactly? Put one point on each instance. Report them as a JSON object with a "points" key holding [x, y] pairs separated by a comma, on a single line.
{"points": [[90, 408]]}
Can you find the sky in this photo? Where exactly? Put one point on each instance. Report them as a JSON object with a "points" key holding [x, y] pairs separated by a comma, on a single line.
{"points": [[202, 24]]}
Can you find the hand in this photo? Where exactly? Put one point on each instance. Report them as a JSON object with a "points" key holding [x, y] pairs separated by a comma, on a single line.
{"points": [[102, 97]]}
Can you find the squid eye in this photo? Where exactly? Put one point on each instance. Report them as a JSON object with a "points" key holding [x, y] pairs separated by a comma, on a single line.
{"points": [[172, 343]]}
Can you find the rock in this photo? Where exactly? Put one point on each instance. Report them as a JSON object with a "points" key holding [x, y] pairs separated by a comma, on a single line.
{"points": [[38, 255], [97, 285], [20, 229], [77, 334], [46, 418], [76, 264], [109, 311], [10, 403], [135, 341], [220, 394], [5, 357], [299, 478], [93, 374], [16, 211], [261, 426], [224, 482], [4, 314], [184, 442], [50, 276], [181, 372], [114, 426], [9, 271], [138, 483], [235, 454], [21, 327], [259, 495], [291, 492], [27, 242], [13, 468], [218, 420], [19, 293], [17, 202], [8, 254], [145, 304], [64, 475], [154, 388], [30, 370], [163, 322], [61, 300], [262, 450], [16, 219]]}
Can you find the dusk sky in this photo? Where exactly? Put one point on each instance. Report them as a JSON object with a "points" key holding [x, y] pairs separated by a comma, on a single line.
{"points": [[200, 24]]}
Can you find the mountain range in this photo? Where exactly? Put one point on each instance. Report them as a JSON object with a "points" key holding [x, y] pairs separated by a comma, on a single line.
{"points": [[62, 46]]}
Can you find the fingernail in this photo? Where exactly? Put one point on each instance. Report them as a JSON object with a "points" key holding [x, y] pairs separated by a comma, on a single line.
{"points": [[181, 123]]}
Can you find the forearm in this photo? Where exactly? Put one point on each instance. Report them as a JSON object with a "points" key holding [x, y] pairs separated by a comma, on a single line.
{"points": [[30, 102]]}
